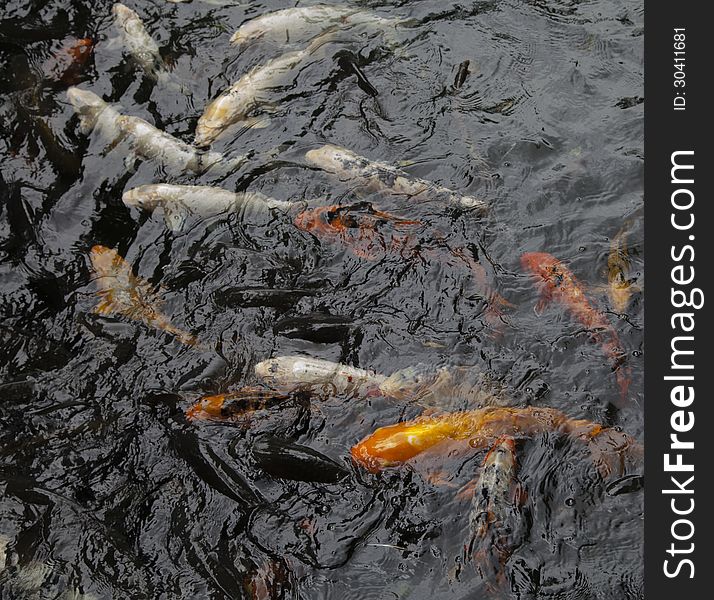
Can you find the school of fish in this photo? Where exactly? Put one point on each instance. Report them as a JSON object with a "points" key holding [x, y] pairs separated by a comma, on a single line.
{"points": [[376, 225]]}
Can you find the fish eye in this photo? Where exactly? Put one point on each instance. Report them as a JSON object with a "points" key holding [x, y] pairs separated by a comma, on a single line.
{"points": [[570, 502]]}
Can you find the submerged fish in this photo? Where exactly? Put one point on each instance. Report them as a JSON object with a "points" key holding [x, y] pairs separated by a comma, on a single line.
{"points": [[69, 61], [381, 177], [290, 373], [492, 496], [395, 444], [287, 460], [145, 140], [234, 405], [363, 230], [248, 94], [179, 202], [357, 227], [558, 283], [491, 505], [125, 294], [139, 44], [445, 386], [620, 288]]}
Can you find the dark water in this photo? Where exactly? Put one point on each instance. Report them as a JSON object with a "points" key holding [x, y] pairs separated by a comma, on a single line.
{"points": [[108, 492]]}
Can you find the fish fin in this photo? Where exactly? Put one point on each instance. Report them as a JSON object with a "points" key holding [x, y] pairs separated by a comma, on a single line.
{"points": [[113, 43], [130, 161], [325, 37], [542, 304], [105, 307], [175, 217], [260, 121]]}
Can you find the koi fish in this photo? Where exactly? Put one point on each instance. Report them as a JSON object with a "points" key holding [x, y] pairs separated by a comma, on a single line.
{"points": [[357, 227], [234, 405], [287, 460], [236, 103], [383, 178], [492, 495], [179, 202], [396, 444], [290, 373], [138, 43], [124, 293], [620, 288], [68, 63], [304, 22], [145, 140], [491, 504], [461, 74], [558, 283]]}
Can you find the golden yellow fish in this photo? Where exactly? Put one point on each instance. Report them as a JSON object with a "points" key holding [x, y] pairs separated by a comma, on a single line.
{"points": [[124, 293]]}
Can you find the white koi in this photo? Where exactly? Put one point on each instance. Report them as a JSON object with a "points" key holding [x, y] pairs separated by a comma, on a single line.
{"points": [[179, 202], [381, 177]]}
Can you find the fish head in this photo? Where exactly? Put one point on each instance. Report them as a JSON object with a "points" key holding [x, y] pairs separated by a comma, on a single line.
{"points": [[87, 105], [540, 263], [292, 372], [206, 408], [105, 261], [245, 36], [141, 197], [327, 157], [395, 444], [314, 220], [122, 14], [81, 50]]}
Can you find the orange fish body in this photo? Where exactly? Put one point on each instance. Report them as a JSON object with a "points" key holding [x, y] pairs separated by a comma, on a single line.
{"points": [[558, 283], [355, 227], [233, 405], [396, 444], [124, 293]]}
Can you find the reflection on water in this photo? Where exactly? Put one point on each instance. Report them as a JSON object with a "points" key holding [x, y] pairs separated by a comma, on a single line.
{"points": [[109, 490]]}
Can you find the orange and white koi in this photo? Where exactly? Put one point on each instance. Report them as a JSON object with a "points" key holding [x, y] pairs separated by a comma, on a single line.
{"points": [[396, 444], [124, 293], [557, 282]]}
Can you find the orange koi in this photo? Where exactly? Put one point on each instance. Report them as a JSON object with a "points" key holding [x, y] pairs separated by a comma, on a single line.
{"points": [[232, 405], [357, 227], [67, 63], [360, 231], [124, 293], [558, 283], [396, 444]]}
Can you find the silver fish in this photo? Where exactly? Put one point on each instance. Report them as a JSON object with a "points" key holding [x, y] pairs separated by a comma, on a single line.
{"points": [[179, 202], [139, 44], [302, 23], [285, 25], [249, 93], [384, 178], [145, 140], [290, 373]]}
